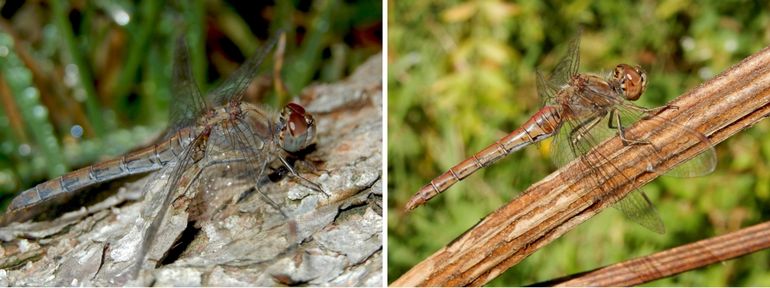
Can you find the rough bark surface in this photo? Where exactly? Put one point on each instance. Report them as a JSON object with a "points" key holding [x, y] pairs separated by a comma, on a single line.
{"points": [[335, 240]]}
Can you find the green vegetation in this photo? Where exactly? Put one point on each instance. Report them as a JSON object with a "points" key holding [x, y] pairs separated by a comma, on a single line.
{"points": [[84, 81], [461, 75]]}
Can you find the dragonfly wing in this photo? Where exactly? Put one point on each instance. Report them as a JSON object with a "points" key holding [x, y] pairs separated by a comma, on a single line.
{"points": [[187, 102], [156, 204], [576, 140], [205, 189], [546, 92], [235, 86], [638, 208], [572, 142], [239, 156], [702, 164], [560, 150], [568, 65]]}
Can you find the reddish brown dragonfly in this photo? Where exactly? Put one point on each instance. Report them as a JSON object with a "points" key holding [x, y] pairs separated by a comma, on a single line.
{"points": [[577, 106]]}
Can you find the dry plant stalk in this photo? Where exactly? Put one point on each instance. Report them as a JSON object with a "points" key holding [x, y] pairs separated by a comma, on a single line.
{"points": [[674, 261], [719, 108]]}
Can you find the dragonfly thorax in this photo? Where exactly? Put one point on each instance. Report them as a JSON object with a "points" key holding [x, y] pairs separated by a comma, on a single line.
{"points": [[587, 95]]}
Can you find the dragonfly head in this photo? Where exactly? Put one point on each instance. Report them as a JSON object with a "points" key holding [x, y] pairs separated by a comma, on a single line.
{"points": [[297, 128], [632, 80]]}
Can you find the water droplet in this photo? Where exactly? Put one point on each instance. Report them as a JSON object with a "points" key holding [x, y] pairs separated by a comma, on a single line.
{"points": [[20, 74], [121, 17], [24, 149], [731, 45], [79, 94], [71, 75], [688, 43], [76, 131], [705, 73], [30, 93], [39, 112]]}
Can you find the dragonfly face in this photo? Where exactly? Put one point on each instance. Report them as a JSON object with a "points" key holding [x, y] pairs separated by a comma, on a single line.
{"points": [[297, 128], [632, 80]]}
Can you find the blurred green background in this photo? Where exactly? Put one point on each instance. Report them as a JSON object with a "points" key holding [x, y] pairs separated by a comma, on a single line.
{"points": [[462, 74], [83, 81]]}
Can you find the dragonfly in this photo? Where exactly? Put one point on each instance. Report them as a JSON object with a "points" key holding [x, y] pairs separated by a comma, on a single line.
{"points": [[219, 130], [580, 111]]}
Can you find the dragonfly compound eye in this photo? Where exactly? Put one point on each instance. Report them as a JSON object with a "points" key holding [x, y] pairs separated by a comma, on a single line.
{"points": [[633, 80], [298, 130]]}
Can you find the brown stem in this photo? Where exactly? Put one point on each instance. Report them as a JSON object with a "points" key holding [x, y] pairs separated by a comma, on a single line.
{"points": [[673, 261], [732, 101]]}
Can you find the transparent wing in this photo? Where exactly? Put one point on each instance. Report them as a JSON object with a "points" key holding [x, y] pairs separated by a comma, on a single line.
{"points": [[575, 140], [568, 65], [549, 86], [187, 102], [229, 151], [235, 85], [241, 151], [188, 106], [702, 164], [157, 201], [571, 143], [546, 91], [206, 189]]}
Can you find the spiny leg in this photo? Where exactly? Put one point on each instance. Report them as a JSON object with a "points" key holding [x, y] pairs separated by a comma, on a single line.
{"points": [[292, 225], [254, 188], [582, 129], [578, 135], [315, 186], [652, 112], [616, 123]]}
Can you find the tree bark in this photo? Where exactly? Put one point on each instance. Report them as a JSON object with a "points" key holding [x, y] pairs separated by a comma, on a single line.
{"points": [[335, 240]]}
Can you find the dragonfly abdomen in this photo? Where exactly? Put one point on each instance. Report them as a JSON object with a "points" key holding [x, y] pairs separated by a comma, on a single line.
{"points": [[141, 161], [542, 125]]}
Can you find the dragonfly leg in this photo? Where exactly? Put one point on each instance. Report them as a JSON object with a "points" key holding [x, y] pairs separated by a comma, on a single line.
{"points": [[269, 201], [313, 185], [652, 112], [581, 129], [310, 165], [243, 195], [616, 123]]}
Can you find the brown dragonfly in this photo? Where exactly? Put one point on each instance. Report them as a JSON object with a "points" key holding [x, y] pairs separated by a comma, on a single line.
{"points": [[577, 106], [220, 130]]}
